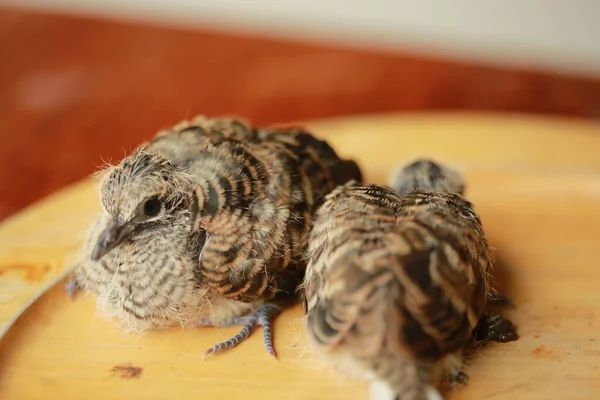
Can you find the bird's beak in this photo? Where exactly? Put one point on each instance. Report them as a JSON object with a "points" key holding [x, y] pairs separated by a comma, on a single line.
{"points": [[109, 238]]}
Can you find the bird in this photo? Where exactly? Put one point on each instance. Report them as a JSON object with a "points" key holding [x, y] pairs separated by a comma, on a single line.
{"points": [[430, 175], [206, 224], [396, 284]]}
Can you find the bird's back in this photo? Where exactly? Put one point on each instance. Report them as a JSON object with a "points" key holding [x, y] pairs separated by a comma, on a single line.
{"points": [[395, 276], [189, 139], [268, 184], [316, 170]]}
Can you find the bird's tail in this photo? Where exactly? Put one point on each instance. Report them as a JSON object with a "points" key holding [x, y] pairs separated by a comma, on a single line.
{"points": [[344, 171], [340, 170], [379, 390], [397, 378]]}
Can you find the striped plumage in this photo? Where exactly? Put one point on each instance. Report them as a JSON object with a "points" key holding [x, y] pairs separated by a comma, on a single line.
{"points": [[395, 285], [207, 222], [426, 174]]}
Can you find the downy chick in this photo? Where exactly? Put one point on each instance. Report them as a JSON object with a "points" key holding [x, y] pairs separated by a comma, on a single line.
{"points": [[395, 286], [207, 224], [428, 175]]}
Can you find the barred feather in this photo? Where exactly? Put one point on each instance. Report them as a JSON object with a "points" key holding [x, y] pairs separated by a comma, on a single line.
{"points": [[395, 284], [256, 201]]}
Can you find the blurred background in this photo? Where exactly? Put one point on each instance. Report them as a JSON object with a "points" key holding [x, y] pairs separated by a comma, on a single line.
{"points": [[86, 81]]}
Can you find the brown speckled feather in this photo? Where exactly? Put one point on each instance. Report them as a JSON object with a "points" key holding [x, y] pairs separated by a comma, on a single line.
{"points": [[395, 284], [256, 194]]}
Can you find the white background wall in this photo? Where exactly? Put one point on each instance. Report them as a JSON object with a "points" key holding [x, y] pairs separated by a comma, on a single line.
{"points": [[556, 35]]}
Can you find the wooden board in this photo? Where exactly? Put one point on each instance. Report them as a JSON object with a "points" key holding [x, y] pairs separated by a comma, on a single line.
{"points": [[535, 182]]}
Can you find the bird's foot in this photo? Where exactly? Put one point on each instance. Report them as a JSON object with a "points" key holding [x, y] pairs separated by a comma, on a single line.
{"points": [[497, 328], [263, 317], [72, 288], [458, 378]]}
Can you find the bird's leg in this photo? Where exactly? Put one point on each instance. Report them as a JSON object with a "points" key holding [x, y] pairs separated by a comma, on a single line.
{"points": [[458, 378], [263, 316]]}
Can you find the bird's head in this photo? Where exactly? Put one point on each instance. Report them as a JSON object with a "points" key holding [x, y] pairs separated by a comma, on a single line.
{"points": [[144, 191], [427, 175]]}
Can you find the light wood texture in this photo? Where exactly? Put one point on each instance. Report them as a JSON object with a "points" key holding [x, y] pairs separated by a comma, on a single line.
{"points": [[535, 182]]}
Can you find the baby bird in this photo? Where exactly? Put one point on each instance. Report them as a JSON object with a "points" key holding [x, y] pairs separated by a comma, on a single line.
{"points": [[207, 224], [396, 285], [426, 174]]}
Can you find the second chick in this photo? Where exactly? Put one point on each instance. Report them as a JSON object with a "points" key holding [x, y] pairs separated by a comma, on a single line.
{"points": [[396, 285]]}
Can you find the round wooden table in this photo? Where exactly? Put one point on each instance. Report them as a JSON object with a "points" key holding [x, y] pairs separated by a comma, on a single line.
{"points": [[535, 182]]}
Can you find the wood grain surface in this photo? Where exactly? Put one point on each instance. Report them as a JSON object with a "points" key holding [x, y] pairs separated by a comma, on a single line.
{"points": [[78, 90], [535, 182]]}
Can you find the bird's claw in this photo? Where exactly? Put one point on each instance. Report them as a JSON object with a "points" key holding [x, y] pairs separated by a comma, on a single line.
{"points": [[263, 317], [72, 287], [497, 328]]}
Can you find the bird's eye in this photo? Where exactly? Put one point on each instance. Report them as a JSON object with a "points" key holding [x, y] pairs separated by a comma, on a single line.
{"points": [[152, 207]]}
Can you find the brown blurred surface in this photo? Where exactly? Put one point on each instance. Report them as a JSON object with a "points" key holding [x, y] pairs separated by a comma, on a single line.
{"points": [[77, 90]]}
